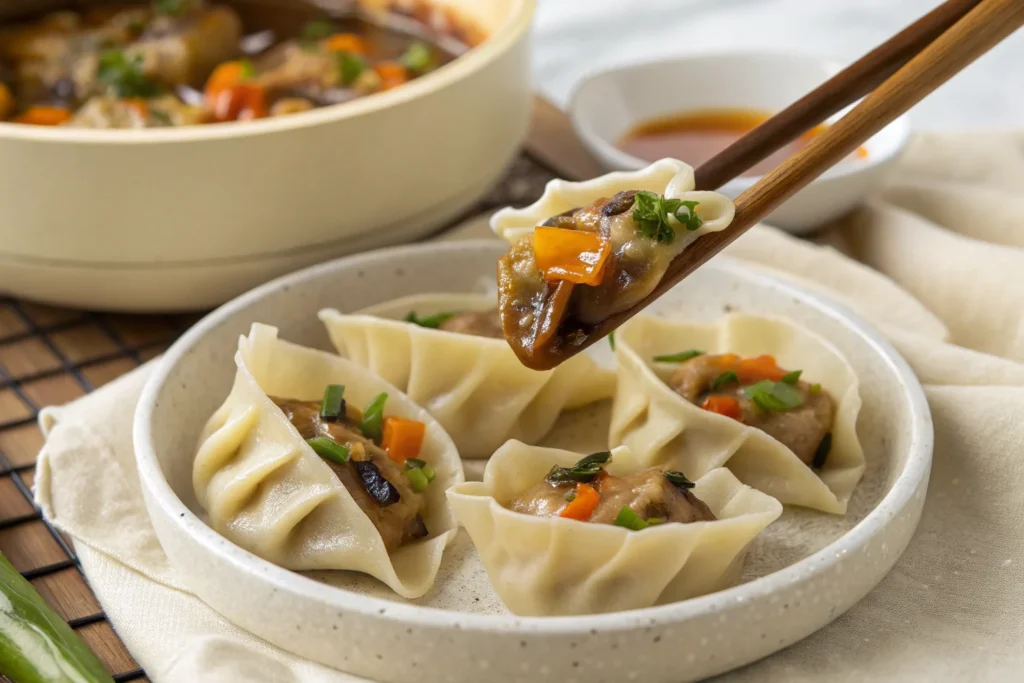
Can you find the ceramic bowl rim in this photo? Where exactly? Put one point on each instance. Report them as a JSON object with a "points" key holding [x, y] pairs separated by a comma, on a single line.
{"points": [[495, 45], [603, 147], [915, 471]]}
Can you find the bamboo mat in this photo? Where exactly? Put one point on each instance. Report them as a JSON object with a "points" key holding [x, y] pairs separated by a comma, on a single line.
{"points": [[49, 356]]}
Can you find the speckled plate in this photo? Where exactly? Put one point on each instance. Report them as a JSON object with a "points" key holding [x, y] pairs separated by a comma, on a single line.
{"points": [[804, 571]]}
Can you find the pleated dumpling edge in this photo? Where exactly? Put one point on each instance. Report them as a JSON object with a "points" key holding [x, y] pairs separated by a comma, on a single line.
{"points": [[265, 489]]}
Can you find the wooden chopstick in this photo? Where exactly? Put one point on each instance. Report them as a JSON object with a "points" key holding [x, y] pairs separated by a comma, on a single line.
{"points": [[843, 89]]}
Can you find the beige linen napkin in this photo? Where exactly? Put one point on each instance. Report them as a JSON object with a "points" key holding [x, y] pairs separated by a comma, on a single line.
{"points": [[941, 273]]}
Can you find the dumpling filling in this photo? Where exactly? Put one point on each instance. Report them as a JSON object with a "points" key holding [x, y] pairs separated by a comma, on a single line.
{"points": [[475, 323], [375, 457], [587, 493], [757, 392]]}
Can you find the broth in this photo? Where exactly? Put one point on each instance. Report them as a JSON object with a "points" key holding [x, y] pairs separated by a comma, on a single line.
{"points": [[697, 136]]}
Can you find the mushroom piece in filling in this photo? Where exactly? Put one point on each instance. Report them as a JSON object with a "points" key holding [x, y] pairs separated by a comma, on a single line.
{"points": [[757, 392], [379, 484], [577, 269], [585, 492]]}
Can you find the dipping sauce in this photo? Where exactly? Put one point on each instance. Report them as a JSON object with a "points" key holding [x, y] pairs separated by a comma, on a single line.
{"points": [[697, 136]]}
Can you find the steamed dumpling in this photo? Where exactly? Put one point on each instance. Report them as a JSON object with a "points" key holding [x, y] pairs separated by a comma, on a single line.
{"points": [[308, 487], [451, 359], [561, 536], [774, 403]]}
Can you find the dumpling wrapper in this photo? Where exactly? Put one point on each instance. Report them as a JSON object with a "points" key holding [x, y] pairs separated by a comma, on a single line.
{"points": [[655, 421], [546, 566], [474, 386], [669, 177], [266, 490]]}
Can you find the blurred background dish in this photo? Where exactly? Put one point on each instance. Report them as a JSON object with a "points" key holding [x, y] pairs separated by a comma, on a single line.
{"points": [[180, 218], [694, 107]]}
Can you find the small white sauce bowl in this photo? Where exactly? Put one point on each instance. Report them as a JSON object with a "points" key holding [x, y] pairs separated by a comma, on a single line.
{"points": [[607, 105]]}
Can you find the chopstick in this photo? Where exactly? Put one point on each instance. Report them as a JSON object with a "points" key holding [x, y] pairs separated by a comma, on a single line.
{"points": [[972, 36], [845, 88]]}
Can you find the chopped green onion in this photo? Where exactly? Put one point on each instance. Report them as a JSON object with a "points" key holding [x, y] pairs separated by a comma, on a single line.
{"points": [[611, 339], [774, 396], [629, 519], [651, 213], [792, 377], [318, 29], [414, 464], [815, 388], [172, 8], [330, 449], [334, 402], [350, 66], [124, 76], [248, 68], [417, 479], [418, 58], [655, 520], [373, 418], [679, 479], [821, 454], [571, 496], [583, 471], [724, 378], [680, 357], [432, 321]]}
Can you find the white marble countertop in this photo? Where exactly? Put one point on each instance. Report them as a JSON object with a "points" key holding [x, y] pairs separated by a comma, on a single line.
{"points": [[573, 37]]}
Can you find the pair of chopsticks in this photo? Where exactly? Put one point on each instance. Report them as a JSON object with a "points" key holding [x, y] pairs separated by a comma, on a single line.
{"points": [[891, 79]]}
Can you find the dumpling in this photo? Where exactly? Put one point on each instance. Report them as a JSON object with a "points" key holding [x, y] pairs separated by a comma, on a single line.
{"points": [[561, 535], [586, 251], [696, 396], [447, 353], [292, 470]]}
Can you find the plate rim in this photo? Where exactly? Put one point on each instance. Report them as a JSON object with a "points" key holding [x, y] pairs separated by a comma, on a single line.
{"points": [[158, 491]]}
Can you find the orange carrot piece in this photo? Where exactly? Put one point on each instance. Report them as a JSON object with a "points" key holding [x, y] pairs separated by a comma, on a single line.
{"points": [[392, 75], [750, 370], [345, 42], [140, 105], [402, 438], [241, 102], [44, 116], [572, 255], [723, 405], [227, 75], [583, 505]]}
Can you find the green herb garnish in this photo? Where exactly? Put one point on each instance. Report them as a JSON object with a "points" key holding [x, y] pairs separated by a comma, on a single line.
{"points": [[124, 75], [248, 69], [680, 357], [651, 521], [373, 418], [318, 29], [679, 479], [350, 67], [815, 388], [417, 479], [571, 496], [418, 58], [328, 448], [171, 8], [611, 339], [821, 454], [334, 402], [792, 377], [774, 396], [651, 214], [631, 520], [432, 321], [583, 471], [724, 378]]}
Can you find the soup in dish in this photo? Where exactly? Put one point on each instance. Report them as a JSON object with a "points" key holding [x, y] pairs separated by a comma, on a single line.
{"points": [[184, 62]]}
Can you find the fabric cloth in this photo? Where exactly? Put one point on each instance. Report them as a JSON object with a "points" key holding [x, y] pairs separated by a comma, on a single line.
{"points": [[940, 271]]}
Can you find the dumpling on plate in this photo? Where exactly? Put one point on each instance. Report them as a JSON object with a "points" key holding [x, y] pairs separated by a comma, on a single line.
{"points": [[559, 534], [446, 351], [771, 401], [586, 251], [314, 463]]}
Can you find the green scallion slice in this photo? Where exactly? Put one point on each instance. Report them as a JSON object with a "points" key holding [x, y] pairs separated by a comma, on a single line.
{"points": [[611, 339], [418, 58], [350, 67], [571, 496], [725, 378], [417, 479], [630, 520], [318, 30], [373, 418], [679, 479], [815, 388], [432, 321], [774, 396], [792, 377], [655, 520], [680, 357], [329, 449], [334, 401]]}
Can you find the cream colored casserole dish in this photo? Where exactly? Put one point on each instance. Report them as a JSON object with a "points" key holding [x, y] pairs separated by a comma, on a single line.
{"points": [[185, 218]]}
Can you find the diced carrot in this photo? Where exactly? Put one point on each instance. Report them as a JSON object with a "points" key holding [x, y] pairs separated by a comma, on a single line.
{"points": [[392, 75], [241, 102], [140, 105], [402, 438], [44, 116], [572, 255], [345, 42], [583, 505], [723, 405], [750, 370], [226, 75], [862, 153]]}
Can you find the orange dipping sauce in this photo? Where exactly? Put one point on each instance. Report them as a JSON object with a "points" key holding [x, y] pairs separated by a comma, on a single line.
{"points": [[697, 136]]}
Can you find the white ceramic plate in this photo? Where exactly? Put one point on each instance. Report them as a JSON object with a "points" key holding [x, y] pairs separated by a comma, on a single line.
{"points": [[807, 569]]}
